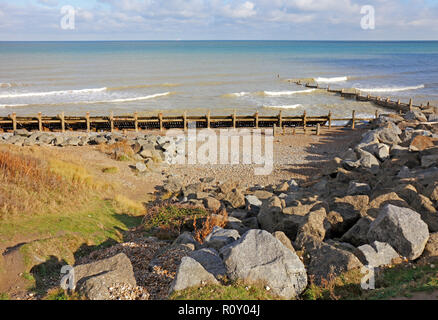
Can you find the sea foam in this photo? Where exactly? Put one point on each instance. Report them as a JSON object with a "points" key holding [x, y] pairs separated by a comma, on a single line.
{"points": [[394, 89]]}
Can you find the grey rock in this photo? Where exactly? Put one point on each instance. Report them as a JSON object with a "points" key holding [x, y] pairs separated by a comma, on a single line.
{"points": [[191, 273], [429, 161], [356, 188], [402, 228], [94, 279], [220, 237], [186, 238], [209, 258], [141, 167], [270, 214], [377, 254], [259, 257], [327, 260], [357, 234]]}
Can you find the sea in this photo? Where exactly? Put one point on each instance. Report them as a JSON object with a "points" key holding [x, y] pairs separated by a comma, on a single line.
{"points": [[171, 77]]}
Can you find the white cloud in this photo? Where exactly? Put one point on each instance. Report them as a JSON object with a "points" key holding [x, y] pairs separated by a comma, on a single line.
{"points": [[244, 10]]}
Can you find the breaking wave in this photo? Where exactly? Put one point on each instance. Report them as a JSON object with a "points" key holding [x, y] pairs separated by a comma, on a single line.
{"points": [[331, 80], [394, 89]]}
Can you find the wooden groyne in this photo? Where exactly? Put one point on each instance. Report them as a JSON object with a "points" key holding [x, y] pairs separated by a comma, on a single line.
{"points": [[352, 93], [62, 123]]}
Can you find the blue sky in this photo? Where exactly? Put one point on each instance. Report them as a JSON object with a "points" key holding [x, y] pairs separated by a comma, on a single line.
{"points": [[219, 19]]}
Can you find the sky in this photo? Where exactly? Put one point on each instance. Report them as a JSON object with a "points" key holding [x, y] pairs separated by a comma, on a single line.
{"points": [[39, 20]]}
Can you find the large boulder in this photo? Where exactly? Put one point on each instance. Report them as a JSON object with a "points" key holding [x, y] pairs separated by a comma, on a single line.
{"points": [[402, 228], [377, 254], [431, 250], [259, 257], [326, 260], [94, 279], [191, 273], [235, 199], [420, 143]]}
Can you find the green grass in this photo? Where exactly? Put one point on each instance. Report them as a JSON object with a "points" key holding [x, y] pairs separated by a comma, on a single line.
{"points": [[110, 170], [234, 291], [399, 281], [4, 296], [61, 235], [61, 295]]}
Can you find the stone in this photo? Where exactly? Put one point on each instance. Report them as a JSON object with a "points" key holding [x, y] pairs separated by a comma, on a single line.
{"points": [[220, 237], [141, 167], [431, 249], [283, 187], [235, 199], [377, 254], [415, 115], [367, 160], [186, 238], [259, 257], [282, 237], [327, 261], [384, 199], [190, 274], [402, 228], [420, 143], [357, 234], [293, 186], [263, 194], [379, 150], [22, 132], [270, 214], [94, 279], [429, 161], [312, 228], [356, 188], [251, 223], [228, 186], [432, 191], [212, 204], [209, 258], [253, 204]]}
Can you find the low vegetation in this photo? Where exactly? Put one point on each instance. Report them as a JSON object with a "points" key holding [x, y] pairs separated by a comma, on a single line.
{"points": [[399, 281], [232, 291]]}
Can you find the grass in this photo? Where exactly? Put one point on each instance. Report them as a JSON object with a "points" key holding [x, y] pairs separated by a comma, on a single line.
{"points": [[124, 204], [4, 296], [233, 291], [120, 151], [165, 221], [398, 281], [62, 295], [110, 170]]}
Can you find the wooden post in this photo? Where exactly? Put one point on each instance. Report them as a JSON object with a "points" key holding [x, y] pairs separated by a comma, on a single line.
{"points": [[185, 120], [280, 120], [368, 97], [112, 121], [330, 119], [410, 104], [328, 88], [136, 121], [318, 129], [275, 129], [256, 119], [428, 104], [398, 104], [62, 118], [14, 121], [208, 119], [353, 119], [234, 119], [160, 120], [87, 118], [40, 122], [377, 114], [305, 121]]}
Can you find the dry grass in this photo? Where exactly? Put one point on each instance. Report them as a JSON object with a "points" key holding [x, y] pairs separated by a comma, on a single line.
{"points": [[127, 206], [31, 185], [208, 226]]}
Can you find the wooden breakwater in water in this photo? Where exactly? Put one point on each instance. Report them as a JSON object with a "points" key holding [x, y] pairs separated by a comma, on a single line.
{"points": [[161, 122], [357, 94]]}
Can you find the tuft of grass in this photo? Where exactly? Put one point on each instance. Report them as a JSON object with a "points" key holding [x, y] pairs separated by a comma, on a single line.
{"points": [[126, 205], [233, 291], [165, 221], [62, 295], [111, 170], [4, 296]]}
